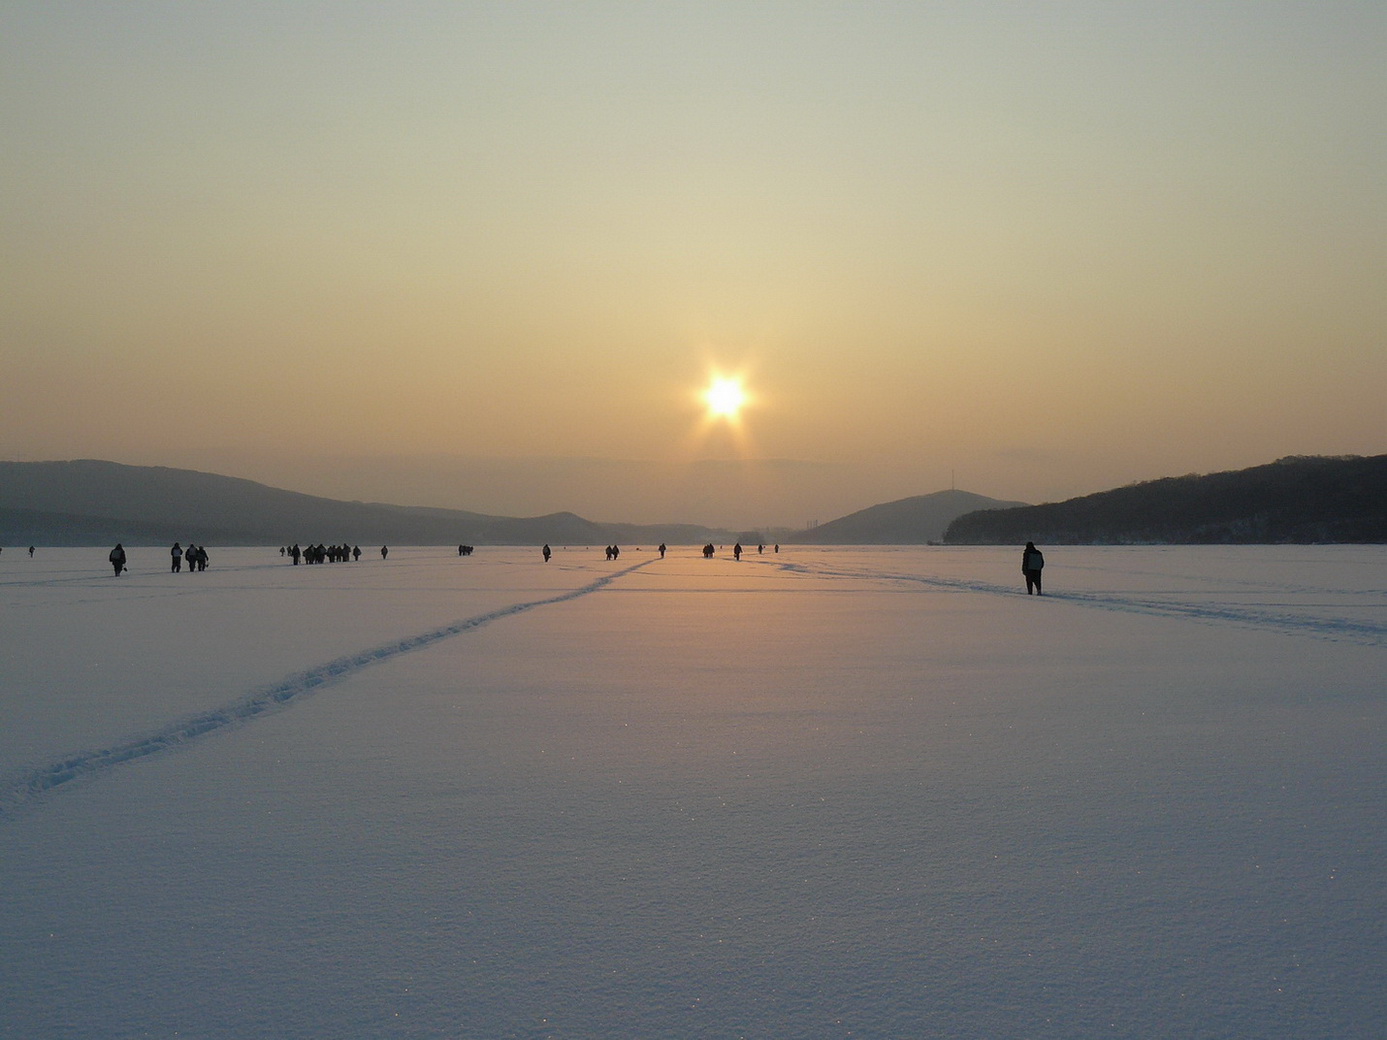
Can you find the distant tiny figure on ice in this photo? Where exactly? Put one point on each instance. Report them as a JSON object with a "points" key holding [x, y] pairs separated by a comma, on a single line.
{"points": [[384, 552], [176, 553], [547, 552], [1032, 563], [662, 550], [737, 552], [117, 558]]}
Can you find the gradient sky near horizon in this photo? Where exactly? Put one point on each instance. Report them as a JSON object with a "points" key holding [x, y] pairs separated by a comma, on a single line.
{"points": [[487, 255]]}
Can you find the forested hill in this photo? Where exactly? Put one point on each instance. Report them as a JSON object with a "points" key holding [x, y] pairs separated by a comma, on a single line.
{"points": [[92, 502], [1297, 499]]}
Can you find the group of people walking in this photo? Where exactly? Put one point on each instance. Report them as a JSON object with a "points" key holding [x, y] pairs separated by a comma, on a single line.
{"points": [[614, 551], [322, 553], [194, 555], [1032, 559]]}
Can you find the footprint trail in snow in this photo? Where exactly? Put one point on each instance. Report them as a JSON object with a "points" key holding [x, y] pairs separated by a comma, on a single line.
{"points": [[17, 791]]}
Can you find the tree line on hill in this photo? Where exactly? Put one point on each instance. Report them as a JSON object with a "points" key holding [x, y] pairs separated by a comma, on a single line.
{"points": [[1298, 499]]}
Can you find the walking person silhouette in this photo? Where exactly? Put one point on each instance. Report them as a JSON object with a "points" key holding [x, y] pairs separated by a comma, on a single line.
{"points": [[1032, 563]]}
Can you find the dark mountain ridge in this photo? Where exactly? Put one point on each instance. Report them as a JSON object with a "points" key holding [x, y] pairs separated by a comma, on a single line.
{"points": [[1298, 499], [88, 501], [917, 520]]}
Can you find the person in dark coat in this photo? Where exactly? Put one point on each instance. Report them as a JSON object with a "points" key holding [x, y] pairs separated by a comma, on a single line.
{"points": [[1032, 563], [547, 552], [176, 553], [117, 558]]}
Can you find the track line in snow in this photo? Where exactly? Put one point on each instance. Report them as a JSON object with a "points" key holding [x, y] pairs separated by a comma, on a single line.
{"points": [[18, 791], [1334, 629]]}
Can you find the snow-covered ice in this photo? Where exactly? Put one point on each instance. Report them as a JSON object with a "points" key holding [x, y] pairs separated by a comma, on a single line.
{"points": [[826, 793]]}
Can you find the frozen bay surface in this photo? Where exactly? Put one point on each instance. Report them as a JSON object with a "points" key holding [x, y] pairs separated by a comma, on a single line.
{"points": [[830, 792]]}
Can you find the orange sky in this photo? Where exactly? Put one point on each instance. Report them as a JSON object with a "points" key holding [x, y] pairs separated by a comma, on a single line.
{"points": [[488, 255]]}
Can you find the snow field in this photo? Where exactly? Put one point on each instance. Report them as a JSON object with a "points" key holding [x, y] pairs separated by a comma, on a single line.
{"points": [[829, 793]]}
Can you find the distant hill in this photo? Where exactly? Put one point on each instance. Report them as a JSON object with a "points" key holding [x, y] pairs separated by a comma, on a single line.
{"points": [[907, 521], [1298, 499], [91, 502]]}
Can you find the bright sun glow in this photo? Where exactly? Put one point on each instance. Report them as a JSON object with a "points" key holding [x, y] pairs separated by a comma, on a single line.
{"points": [[725, 398]]}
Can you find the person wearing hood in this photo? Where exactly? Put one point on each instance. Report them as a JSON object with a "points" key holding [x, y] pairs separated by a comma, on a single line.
{"points": [[1032, 562]]}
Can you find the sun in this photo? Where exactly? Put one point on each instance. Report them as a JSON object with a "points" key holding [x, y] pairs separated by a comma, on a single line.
{"points": [[725, 397]]}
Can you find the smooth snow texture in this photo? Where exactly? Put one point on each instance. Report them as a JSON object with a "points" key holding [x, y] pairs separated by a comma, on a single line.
{"points": [[824, 793]]}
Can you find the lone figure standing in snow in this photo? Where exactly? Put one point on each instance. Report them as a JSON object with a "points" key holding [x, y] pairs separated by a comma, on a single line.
{"points": [[1032, 562], [117, 558]]}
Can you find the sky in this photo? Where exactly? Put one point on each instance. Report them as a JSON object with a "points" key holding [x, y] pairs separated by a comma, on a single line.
{"points": [[490, 255]]}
